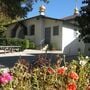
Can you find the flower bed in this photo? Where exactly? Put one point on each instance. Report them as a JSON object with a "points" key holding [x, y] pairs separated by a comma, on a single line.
{"points": [[41, 75]]}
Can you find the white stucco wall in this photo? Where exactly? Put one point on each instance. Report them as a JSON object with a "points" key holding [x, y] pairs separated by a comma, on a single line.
{"points": [[56, 41], [40, 25], [70, 41], [38, 30]]}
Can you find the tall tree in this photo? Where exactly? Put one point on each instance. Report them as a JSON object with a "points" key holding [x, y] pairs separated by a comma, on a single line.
{"points": [[12, 9], [84, 21]]}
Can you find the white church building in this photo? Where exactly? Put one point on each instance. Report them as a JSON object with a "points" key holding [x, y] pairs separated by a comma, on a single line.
{"points": [[62, 34]]}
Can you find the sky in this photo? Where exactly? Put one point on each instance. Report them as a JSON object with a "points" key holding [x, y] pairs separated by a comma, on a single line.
{"points": [[56, 8]]}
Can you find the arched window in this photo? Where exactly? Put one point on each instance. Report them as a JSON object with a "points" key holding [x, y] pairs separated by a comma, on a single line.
{"points": [[14, 30]]}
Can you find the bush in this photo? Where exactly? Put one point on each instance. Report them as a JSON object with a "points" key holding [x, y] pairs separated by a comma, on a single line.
{"points": [[32, 45], [2, 41], [24, 43], [27, 43]]}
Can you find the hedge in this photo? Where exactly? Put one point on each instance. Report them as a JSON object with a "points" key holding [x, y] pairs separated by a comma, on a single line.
{"points": [[24, 43]]}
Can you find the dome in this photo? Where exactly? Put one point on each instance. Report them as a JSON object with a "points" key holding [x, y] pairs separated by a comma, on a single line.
{"points": [[42, 8], [76, 11]]}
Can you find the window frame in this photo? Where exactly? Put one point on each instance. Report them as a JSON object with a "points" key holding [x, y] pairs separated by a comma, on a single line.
{"points": [[55, 30], [32, 30]]}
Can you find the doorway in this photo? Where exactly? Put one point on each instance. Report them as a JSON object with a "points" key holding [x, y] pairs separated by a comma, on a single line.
{"points": [[47, 35]]}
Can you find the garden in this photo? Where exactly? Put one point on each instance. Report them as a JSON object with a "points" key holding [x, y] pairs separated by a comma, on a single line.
{"points": [[41, 74]]}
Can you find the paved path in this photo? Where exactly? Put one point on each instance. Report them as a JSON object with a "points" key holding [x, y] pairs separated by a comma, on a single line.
{"points": [[28, 52]]}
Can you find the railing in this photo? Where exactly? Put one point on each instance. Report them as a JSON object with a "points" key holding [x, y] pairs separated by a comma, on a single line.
{"points": [[41, 43], [10, 48]]}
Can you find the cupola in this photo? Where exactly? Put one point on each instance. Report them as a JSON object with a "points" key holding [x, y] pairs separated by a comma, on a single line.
{"points": [[42, 10]]}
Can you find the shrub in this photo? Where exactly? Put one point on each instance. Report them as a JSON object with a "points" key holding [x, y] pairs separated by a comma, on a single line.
{"points": [[24, 43], [32, 45], [27, 43], [5, 79]]}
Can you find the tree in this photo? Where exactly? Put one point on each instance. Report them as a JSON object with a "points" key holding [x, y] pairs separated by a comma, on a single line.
{"points": [[3, 20], [17, 8], [84, 21], [13, 9]]}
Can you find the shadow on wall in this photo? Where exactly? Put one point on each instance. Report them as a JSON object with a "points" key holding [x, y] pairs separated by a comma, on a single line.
{"points": [[87, 48], [74, 48], [22, 30]]}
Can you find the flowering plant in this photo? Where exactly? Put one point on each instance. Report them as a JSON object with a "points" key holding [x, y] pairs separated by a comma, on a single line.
{"points": [[5, 78], [61, 70], [73, 75], [41, 75], [71, 86]]}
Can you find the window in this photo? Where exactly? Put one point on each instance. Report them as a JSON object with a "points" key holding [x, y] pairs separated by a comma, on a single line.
{"points": [[79, 49], [88, 49], [32, 29], [56, 30]]}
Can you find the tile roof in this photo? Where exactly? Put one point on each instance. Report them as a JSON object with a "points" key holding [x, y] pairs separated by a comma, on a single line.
{"points": [[69, 17]]}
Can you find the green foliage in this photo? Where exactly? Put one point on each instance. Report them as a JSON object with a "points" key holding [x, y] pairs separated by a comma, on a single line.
{"points": [[4, 20], [84, 72], [2, 31], [84, 21], [32, 45], [17, 8], [27, 43], [24, 43], [21, 76]]}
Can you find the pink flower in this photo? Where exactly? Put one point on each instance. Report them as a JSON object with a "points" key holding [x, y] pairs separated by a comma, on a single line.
{"points": [[5, 78], [71, 86], [88, 87], [61, 70], [73, 75]]}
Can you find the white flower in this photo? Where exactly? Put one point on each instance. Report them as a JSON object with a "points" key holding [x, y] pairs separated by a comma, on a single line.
{"points": [[64, 67], [4, 70], [83, 62], [87, 57]]}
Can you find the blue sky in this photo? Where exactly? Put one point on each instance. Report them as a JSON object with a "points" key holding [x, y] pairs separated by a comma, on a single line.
{"points": [[56, 8]]}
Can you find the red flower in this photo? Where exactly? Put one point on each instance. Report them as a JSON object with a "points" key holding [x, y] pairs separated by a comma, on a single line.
{"points": [[88, 88], [73, 75], [71, 86], [61, 70], [50, 70]]}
